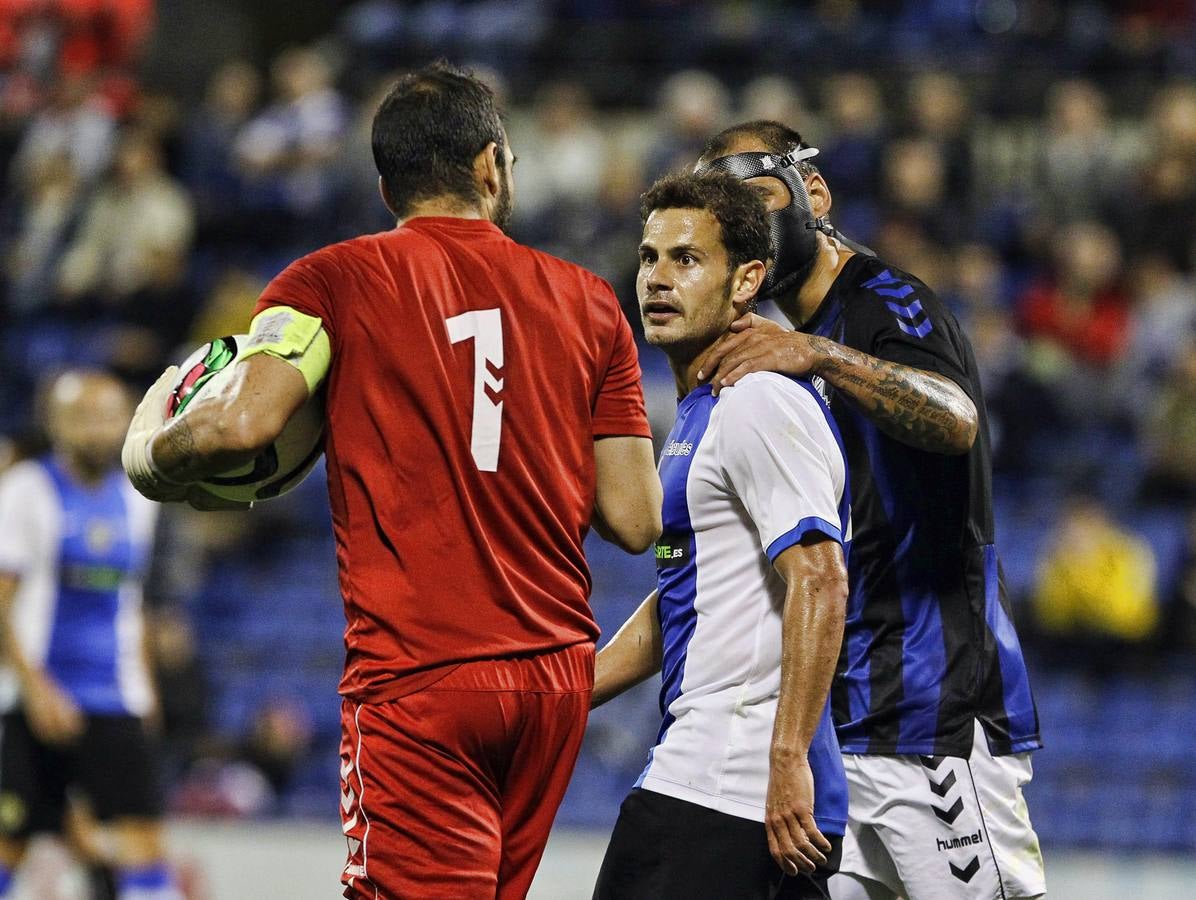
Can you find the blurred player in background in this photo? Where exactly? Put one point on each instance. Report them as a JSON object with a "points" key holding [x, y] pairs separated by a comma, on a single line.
{"points": [[932, 702], [745, 784], [483, 406], [75, 687]]}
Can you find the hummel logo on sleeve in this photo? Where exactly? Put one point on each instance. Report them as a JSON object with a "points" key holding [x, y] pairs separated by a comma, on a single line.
{"points": [[911, 318]]}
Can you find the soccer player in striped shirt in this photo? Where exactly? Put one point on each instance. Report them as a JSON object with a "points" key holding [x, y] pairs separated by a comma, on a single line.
{"points": [[75, 690], [744, 793], [932, 702]]}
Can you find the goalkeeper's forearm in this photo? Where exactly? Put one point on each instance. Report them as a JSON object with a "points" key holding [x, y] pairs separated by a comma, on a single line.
{"points": [[631, 656], [229, 429]]}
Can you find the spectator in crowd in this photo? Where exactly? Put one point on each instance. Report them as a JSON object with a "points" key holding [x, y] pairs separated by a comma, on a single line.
{"points": [[251, 774], [1080, 309], [692, 105], [1019, 440], [600, 235], [1163, 208], [1166, 217], [776, 98], [208, 166], [278, 741], [288, 152], [1173, 120], [978, 281], [939, 111], [232, 297], [563, 152], [979, 295], [50, 199], [903, 241], [127, 263], [914, 190], [1095, 586], [1179, 624], [851, 153], [75, 121], [1081, 171], [359, 210], [136, 231], [183, 696], [1163, 320], [1170, 435]]}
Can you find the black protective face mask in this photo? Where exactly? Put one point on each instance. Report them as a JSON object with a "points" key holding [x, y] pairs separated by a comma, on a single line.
{"points": [[792, 230]]}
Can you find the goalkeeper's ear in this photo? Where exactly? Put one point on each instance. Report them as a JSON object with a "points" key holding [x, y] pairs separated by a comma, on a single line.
{"points": [[384, 191], [746, 282]]}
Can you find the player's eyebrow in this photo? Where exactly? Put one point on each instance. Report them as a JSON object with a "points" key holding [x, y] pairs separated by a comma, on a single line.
{"points": [[673, 251]]}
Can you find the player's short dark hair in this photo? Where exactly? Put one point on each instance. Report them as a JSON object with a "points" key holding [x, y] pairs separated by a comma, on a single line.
{"points": [[427, 132], [738, 209], [779, 139]]}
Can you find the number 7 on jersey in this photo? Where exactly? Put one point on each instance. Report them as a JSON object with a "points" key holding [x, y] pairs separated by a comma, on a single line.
{"points": [[485, 327]]}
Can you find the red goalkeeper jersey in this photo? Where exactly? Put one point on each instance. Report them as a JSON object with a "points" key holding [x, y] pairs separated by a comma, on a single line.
{"points": [[469, 378]]}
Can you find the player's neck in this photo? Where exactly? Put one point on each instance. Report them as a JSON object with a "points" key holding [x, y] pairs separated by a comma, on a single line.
{"points": [[832, 257], [81, 471], [685, 372], [442, 208]]}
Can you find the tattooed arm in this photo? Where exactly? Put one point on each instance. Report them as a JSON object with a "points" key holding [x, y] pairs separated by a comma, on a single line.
{"points": [[923, 409], [228, 429]]}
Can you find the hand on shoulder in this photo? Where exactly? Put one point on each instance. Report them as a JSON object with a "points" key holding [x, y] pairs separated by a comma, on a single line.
{"points": [[757, 344]]}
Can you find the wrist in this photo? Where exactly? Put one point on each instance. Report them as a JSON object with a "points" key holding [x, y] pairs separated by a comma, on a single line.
{"points": [[29, 678], [155, 469], [821, 351], [788, 755]]}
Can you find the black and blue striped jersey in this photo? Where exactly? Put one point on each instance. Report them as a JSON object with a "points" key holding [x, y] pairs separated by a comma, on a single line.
{"points": [[930, 643]]}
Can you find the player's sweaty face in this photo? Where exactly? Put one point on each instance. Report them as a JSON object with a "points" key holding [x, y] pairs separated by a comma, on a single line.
{"points": [[683, 283]]}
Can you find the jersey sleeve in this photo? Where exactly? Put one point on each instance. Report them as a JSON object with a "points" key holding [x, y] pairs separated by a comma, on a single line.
{"points": [[619, 407], [907, 324], [781, 460], [18, 520], [302, 286]]}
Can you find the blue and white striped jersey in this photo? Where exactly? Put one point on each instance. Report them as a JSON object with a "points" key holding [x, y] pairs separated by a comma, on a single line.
{"points": [[80, 553], [930, 645], [745, 477]]}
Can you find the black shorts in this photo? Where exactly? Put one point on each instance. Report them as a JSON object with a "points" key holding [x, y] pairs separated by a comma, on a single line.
{"points": [[663, 848], [113, 764]]}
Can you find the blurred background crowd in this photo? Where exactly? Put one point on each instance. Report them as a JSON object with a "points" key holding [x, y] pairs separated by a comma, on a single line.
{"points": [[1034, 162]]}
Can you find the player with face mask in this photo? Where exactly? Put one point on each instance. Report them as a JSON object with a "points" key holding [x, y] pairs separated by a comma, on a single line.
{"points": [[931, 702]]}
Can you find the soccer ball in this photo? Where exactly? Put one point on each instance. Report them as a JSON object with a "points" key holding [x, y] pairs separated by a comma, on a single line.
{"points": [[278, 468]]}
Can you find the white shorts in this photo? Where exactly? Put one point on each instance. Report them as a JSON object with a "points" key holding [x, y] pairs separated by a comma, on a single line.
{"points": [[939, 828]]}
